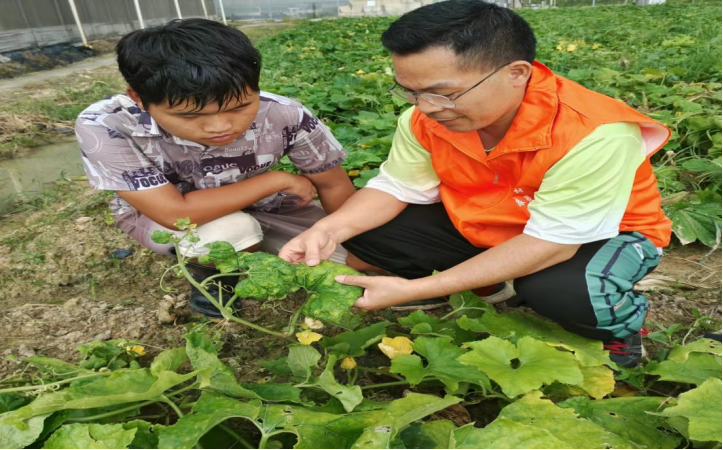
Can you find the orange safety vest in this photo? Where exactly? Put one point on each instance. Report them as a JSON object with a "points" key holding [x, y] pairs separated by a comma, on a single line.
{"points": [[486, 195]]}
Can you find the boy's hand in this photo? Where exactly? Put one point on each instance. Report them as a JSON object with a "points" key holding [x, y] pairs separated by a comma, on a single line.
{"points": [[300, 187]]}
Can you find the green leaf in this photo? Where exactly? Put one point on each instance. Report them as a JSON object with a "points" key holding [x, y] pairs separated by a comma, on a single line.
{"points": [[680, 353], [537, 364], [12, 400], [399, 414], [505, 433], [170, 359], [146, 433], [275, 392], [353, 343], [301, 359], [562, 423], [695, 370], [202, 353], [442, 364], [421, 323], [330, 301], [598, 381], [702, 407], [433, 434], [162, 237], [316, 429], [183, 224], [210, 410], [97, 354], [55, 367], [332, 305], [349, 396], [364, 177], [516, 325], [690, 225], [53, 422], [359, 159], [278, 367], [469, 304], [267, 277], [14, 436], [122, 386], [91, 435], [628, 418], [224, 257]]}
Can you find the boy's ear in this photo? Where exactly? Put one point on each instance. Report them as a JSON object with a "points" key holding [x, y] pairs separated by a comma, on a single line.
{"points": [[134, 96]]}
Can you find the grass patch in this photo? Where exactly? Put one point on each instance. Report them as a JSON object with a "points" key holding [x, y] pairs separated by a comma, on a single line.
{"points": [[40, 113]]}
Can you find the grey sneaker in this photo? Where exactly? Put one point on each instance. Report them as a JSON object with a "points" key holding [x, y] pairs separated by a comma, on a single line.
{"points": [[627, 352]]}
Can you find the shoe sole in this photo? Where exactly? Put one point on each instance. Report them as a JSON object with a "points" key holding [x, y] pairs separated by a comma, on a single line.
{"points": [[502, 296], [420, 307]]}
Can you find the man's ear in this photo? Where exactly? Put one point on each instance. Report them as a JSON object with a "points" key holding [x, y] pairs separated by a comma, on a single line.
{"points": [[520, 72], [134, 96]]}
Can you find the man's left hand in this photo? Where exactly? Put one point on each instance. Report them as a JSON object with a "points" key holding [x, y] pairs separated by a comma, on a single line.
{"points": [[379, 292]]}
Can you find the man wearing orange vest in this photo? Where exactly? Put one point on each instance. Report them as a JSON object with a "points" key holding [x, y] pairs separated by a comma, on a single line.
{"points": [[503, 170]]}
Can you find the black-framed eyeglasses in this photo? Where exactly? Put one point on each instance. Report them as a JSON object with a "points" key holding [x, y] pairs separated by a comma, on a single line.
{"points": [[441, 101]]}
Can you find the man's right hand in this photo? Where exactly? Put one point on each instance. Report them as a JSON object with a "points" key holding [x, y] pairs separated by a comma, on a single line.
{"points": [[311, 247], [319, 242]]}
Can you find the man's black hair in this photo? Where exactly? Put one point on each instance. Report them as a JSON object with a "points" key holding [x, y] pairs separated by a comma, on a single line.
{"points": [[193, 61], [481, 34]]}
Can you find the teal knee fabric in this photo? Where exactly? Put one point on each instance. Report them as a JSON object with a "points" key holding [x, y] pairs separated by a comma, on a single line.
{"points": [[611, 276]]}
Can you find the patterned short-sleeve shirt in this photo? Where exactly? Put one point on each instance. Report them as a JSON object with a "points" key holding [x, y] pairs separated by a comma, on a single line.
{"points": [[124, 149]]}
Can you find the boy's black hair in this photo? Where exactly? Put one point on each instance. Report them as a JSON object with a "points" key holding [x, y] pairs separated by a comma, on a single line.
{"points": [[193, 61], [482, 34]]}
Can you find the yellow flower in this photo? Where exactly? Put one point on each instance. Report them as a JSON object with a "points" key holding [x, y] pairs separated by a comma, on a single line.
{"points": [[308, 337], [354, 173], [571, 47], [596, 46], [313, 324], [559, 47], [348, 363], [139, 350], [360, 72], [396, 347]]}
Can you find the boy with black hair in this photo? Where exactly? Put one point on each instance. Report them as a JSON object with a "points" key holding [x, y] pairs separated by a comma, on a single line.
{"points": [[195, 137], [504, 170]]}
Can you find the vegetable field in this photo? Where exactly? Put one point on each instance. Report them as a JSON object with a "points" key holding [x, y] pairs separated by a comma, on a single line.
{"points": [[317, 374]]}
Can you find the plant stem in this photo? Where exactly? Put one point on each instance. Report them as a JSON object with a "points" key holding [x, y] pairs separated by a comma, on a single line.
{"points": [[379, 372], [381, 385], [292, 323], [236, 436], [57, 383], [129, 408], [228, 315], [690, 331], [453, 312], [265, 437], [221, 275], [173, 406]]}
